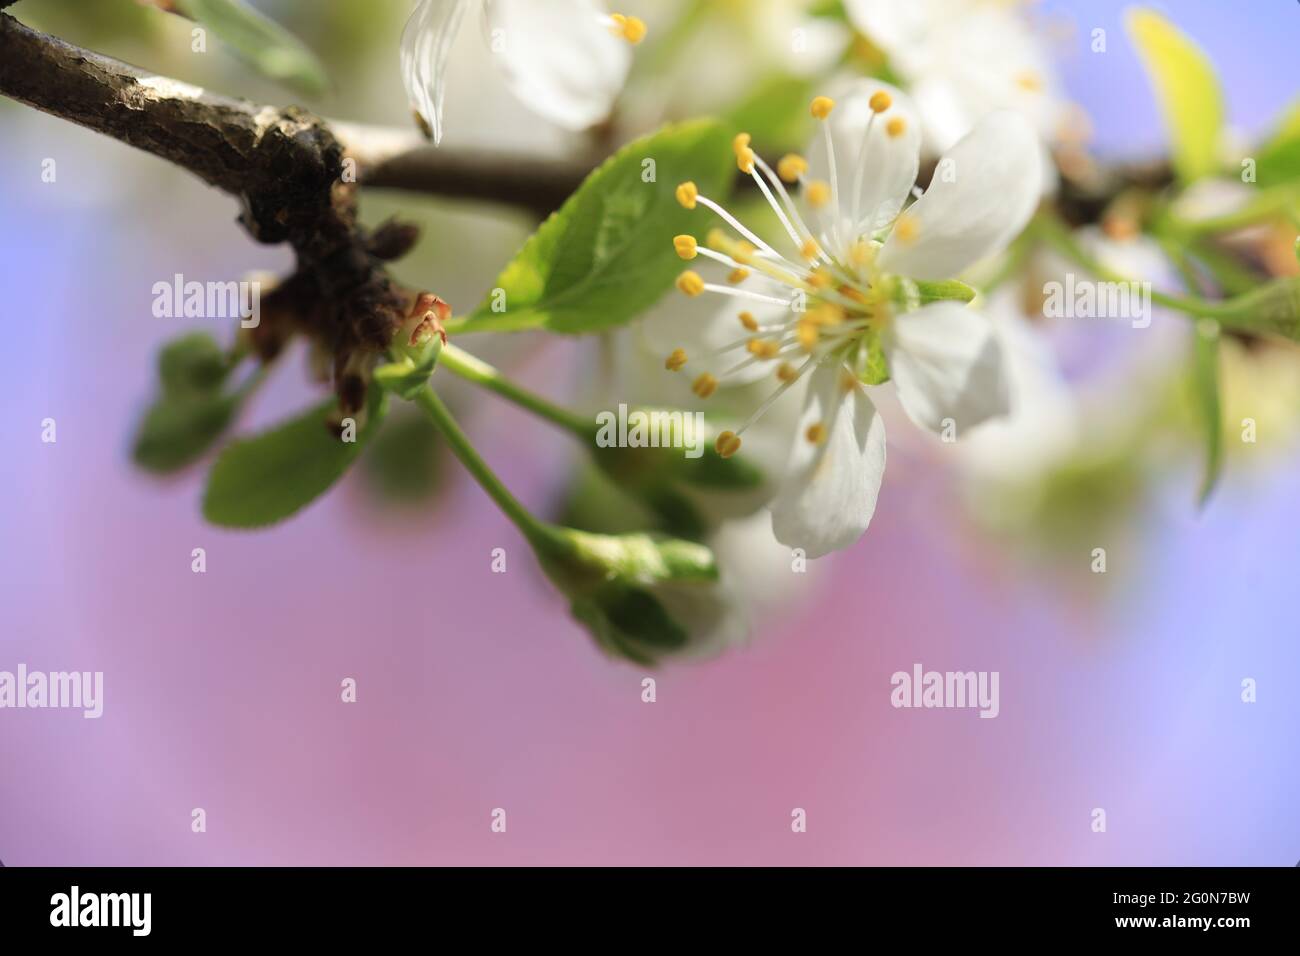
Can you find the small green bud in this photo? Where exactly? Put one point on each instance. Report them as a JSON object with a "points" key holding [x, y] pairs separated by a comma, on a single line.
{"points": [[642, 597]]}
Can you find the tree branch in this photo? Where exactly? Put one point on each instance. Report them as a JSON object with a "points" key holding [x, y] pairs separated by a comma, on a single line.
{"points": [[284, 166], [398, 159]]}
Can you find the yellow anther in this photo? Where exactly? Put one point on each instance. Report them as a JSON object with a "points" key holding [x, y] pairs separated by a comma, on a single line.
{"points": [[631, 29], [822, 106], [826, 313], [810, 249], [821, 279], [738, 276], [1029, 81], [907, 228], [748, 321], [740, 142], [807, 334], [676, 360], [727, 444], [743, 252], [763, 348], [687, 193], [896, 127], [705, 385], [745, 160], [880, 101], [686, 246], [847, 382], [791, 167], [861, 253], [851, 293], [786, 372], [690, 283], [818, 193], [816, 433]]}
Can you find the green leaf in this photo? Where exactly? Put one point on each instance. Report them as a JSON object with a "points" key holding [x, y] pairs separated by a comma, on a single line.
{"points": [[607, 254], [269, 47], [409, 374], [1186, 89], [1278, 159], [193, 364], [776, 112], [178, 430], [264, 479], [1205, 378], [191, 411]]}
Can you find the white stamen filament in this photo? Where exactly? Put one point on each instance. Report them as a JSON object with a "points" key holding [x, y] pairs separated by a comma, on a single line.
{"points": [[856, 216], [739, 227], [745, 294], [781, 390]]}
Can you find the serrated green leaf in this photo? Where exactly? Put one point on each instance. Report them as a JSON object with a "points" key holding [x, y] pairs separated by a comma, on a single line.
{"points": [[177, 431], [1186, 89], [607, 254], [265, 44], [264, 479], [1205, 378]]}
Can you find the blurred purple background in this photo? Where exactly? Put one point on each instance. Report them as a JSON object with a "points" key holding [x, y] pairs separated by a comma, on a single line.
{"points": [[475, 689]]}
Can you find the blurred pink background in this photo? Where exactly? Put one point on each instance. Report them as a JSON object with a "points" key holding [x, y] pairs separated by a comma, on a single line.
{"points": [[476, 691]]}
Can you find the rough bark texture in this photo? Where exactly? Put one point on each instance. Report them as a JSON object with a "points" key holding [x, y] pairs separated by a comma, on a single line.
{"points": [[284, 166]]}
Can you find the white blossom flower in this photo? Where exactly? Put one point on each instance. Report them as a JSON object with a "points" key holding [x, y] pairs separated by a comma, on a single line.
{"points": [[564, 59], [962, 59], [849, 296]]}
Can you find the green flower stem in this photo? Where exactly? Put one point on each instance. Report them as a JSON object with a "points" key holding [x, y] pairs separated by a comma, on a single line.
{"points": [[1268, 205], [538, 533], [461, 363], [1056, 234]]}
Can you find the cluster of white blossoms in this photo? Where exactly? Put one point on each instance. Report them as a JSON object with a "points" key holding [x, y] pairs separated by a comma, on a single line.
{"points": [[566, 60], [847, 294], [962, 59]]}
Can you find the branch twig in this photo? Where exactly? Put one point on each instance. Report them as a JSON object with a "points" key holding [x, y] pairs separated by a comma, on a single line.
{"points": [[283, 165]]}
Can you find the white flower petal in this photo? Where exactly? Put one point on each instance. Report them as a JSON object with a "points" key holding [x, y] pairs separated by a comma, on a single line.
{"points": [[829, 493], [560, 60], [874, 171], [947, 363], [1042, 428], [898, 26], [984, 191], [426, 46]]}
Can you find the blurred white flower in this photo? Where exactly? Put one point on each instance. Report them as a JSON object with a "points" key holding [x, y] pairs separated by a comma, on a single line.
{"points": [[842, 295], [564, 59], [962, 59], [1042, 427]]}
